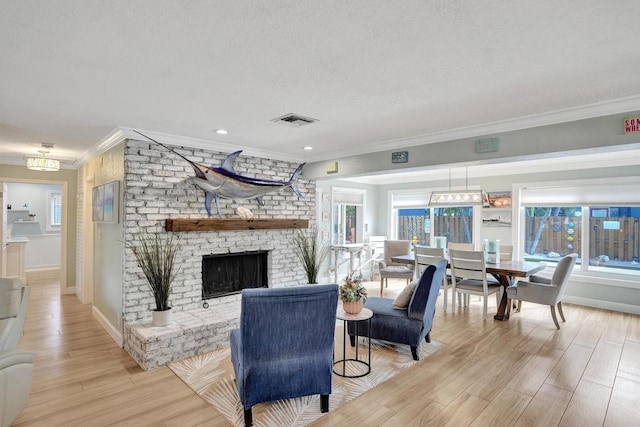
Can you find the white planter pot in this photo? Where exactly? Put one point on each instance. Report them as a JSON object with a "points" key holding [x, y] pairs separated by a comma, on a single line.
{"points": [[161, 318]]}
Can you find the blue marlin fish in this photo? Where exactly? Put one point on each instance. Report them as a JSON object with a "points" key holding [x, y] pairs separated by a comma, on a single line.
{"points": [[224, 182]]}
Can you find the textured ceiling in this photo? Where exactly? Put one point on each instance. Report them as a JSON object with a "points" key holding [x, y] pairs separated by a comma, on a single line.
{"points": [[373, 72]]}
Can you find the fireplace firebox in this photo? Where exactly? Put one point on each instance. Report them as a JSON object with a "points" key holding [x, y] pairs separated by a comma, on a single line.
{"points": [[226, 274]]}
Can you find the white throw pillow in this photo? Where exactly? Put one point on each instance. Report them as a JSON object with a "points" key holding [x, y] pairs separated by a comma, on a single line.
{"points": [[402, 301]]}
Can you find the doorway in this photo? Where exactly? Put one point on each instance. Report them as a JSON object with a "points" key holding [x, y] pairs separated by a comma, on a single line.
{"points": [[34, 215]]}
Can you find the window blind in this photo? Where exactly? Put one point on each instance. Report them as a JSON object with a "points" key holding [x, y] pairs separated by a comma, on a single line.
{"points": [[625, 194], [410, 200]]}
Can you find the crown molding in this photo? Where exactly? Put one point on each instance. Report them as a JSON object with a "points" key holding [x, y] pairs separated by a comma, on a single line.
{"points": [[605, 108], [120, 134], [112, 139]]}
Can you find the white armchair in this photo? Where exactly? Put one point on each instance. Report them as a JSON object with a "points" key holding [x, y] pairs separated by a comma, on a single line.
{"points": [[543, 291], [14, 297], [16, 372]]}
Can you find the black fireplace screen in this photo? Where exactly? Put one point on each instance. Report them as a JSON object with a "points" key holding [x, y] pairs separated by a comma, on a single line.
{"points": [[225, 274]]}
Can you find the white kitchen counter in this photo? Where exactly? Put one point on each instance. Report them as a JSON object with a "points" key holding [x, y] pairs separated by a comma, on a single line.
{"points": [[16, 257], [19, 239]]}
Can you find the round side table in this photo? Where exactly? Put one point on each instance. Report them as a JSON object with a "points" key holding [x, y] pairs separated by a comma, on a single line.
{"points": [[365, 314]]}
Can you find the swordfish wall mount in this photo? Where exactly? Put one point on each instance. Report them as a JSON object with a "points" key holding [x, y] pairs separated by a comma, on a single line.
{"points": [[224, 182]]}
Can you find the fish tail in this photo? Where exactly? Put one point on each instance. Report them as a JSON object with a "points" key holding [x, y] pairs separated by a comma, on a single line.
{"points": [[291, 183]]}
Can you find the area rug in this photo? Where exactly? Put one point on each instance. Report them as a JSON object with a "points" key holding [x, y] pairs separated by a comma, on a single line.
{"points": [[211, 376]]}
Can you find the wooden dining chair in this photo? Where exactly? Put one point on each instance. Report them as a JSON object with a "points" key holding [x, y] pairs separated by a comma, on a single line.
{"points": [[469, 276], [425, 257], [460, 247]]}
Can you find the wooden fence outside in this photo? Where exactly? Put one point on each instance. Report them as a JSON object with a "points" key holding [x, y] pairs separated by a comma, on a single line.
{"points": [[450, 226], [557, 234], [621, 244]]}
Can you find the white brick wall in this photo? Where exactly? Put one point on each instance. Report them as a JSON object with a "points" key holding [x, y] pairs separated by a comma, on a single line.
{"points": [[157, 186], [192, 332]]}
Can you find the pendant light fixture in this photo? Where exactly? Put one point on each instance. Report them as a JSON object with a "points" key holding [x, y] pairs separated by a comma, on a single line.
{"points": [[43, 163], [464, 197]]}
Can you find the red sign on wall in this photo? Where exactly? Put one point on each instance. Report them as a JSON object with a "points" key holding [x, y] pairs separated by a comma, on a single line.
{"points": [[632, 124]]}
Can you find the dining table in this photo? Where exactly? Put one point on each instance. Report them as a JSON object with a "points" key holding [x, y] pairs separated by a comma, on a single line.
{"points": [[506, 272]]}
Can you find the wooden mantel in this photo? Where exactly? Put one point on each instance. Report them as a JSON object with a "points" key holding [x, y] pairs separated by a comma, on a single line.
{"points": [[233, 224]]}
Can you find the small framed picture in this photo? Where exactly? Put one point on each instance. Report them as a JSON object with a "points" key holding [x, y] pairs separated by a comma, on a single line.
{"points": [[400, 157]]}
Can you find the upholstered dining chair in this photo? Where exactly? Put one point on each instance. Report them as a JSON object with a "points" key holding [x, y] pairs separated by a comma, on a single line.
{"points": [[425, 257], [469, 276], [409, 325], [284, 346], [545, 291], [506, 252], [389, 269]]}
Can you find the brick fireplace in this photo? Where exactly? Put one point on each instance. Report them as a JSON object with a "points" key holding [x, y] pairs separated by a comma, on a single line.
{"points": [[157, 187]]}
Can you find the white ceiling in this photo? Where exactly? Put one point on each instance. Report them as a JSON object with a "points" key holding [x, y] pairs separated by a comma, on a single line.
{"points": [[375, 73]]}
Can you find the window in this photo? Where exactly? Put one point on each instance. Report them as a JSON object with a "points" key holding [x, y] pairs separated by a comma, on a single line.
{"points": [[614, 240], [410, 217], [415, 225], [455, 224], [347, 215], [608, 237], [54, 211], [346, 227], [598, 219], [413, 219], [551, 232]]}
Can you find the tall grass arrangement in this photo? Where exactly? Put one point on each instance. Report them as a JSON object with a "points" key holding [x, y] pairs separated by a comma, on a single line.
{"points": [[312, 252], [156, 257]]}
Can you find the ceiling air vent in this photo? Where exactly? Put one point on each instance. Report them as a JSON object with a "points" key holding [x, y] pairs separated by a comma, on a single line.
{"points": [[295, 120]]}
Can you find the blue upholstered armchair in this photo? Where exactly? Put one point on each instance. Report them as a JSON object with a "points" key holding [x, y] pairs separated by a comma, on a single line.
{"points": [[408, 326], [284, 347]]}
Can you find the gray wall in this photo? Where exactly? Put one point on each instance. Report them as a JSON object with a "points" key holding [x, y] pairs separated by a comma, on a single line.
{"points": [[601, 134]]}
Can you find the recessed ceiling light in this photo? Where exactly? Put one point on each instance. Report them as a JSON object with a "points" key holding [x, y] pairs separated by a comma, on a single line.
{"points": [[222, 131], [307, 147]]}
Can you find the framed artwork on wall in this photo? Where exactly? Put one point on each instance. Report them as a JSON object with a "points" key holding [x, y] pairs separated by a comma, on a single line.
{"points": [[104, 201], [499, 199]]}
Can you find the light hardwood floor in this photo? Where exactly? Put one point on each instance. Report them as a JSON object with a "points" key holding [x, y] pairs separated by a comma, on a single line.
{"points": [[519, 372]]}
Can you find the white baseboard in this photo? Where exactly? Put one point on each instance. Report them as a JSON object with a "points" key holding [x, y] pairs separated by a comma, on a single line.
{"points": [[115, 334], [43, 274], [605, 305], [69, 291]]}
